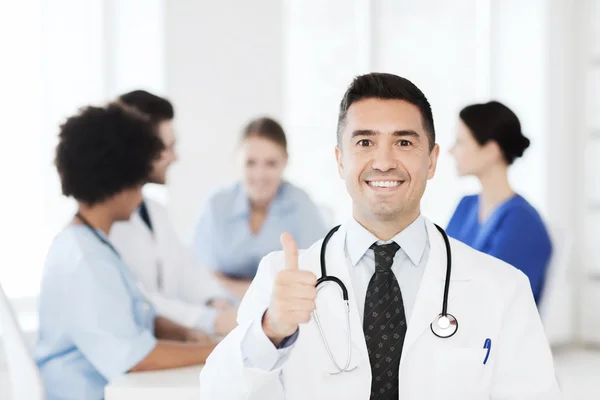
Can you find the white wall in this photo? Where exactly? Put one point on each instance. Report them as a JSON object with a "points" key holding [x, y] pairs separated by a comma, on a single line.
{"points": [[55, 67], [20, 80], [69, 54], [135, 46], [223, 67], [518, 80], [321, 58], [134, 32], [588, 69]]}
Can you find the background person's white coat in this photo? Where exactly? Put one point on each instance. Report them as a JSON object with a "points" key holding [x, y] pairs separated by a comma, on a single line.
{"points": [[489, 298], [186, 286]]}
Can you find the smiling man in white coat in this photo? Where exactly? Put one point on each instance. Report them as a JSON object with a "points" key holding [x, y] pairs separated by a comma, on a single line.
{"points": [[294, 343], [166, 270]]}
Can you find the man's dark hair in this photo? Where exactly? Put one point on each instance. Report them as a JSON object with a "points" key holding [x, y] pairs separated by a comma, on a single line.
{"points": [[157, 108], [386, 87], [104, 150]]}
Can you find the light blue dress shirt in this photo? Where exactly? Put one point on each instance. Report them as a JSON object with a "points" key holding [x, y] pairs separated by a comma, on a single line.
{"points": [[409, 261], [408, 267], [94, 322], [224, 242]]}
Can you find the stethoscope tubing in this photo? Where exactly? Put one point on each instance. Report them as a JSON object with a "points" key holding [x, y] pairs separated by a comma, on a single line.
{"points": [[442, 316]]}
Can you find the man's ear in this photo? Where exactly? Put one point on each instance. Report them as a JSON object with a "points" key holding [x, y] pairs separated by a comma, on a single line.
{"points": [[433, 159], [338, 159]]}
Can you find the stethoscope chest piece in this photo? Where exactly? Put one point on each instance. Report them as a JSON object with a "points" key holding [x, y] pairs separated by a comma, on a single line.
{"points": [[444, 326]]}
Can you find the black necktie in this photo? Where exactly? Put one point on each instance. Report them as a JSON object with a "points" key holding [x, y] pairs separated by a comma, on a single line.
{"points": [[145, 215], [384, 324]]}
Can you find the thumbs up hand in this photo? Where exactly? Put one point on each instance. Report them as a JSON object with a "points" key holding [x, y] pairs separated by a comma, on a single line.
{"points": [[293, 297]]}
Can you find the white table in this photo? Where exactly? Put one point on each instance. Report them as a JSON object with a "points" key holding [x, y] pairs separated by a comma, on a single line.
{"points": [[180, 384]]}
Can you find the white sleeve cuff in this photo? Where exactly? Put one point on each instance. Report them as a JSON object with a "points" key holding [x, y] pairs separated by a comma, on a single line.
{"points": [[259, 352]]}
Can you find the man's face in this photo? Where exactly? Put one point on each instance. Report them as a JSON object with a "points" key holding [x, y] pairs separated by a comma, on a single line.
{"points": [[384, 159], [168, 155]]}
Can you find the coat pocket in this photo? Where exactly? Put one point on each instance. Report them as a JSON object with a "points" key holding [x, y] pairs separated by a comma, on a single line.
{"points": [[459, 374]]}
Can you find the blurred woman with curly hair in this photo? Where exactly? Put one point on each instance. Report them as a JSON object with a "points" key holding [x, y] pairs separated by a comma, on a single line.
{"points": [[94, 322]]}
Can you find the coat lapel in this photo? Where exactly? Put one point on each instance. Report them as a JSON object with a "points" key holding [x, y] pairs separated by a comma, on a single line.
{"points": [[152, 253], [428, 304]]}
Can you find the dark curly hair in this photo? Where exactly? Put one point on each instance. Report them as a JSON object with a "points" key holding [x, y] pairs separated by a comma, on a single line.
{"points": [[104, 150]]}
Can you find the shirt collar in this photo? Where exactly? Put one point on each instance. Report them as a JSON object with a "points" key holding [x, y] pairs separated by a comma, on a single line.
{"points": [[241, 203], [282, 202], [412, 240]]}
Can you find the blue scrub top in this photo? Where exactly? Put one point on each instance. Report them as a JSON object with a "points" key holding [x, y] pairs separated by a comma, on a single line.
{"points": [[224, 242], [94, 323], [514, 233]]}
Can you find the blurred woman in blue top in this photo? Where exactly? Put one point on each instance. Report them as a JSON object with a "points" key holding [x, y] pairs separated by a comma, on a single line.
{"points": [[242, 223], [498, 221], [95, 323]]}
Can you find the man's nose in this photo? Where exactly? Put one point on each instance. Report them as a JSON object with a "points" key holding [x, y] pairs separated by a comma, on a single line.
{"points": [[385, 159]]}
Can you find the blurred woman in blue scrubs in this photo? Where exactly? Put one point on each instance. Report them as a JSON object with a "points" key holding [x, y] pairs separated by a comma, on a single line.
{"points": [[242, 223], [498, 221], [94, 322]]}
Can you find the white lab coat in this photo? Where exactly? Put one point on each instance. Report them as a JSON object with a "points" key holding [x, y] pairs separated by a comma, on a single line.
{"points": [[489, 298], [187, 286]]}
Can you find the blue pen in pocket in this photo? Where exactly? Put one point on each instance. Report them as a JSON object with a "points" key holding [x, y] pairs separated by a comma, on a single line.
{"points": [[487, 345]]}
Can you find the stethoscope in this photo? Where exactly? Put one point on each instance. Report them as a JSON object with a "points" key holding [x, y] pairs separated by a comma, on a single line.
{"points": [[90, 227], [443, 326]]}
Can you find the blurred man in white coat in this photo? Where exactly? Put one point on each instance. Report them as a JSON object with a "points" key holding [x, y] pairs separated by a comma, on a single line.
{"points": [[165, 268], [389, 307]]}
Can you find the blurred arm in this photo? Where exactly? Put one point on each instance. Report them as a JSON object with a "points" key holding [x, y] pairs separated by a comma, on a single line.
{"points": [[169, 354]]}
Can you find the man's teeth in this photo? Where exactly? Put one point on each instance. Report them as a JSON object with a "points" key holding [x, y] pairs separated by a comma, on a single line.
{"points": [[384, 183]]}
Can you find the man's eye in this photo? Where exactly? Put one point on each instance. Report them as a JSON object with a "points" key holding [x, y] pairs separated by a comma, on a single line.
{"points": [[364, 142]]}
